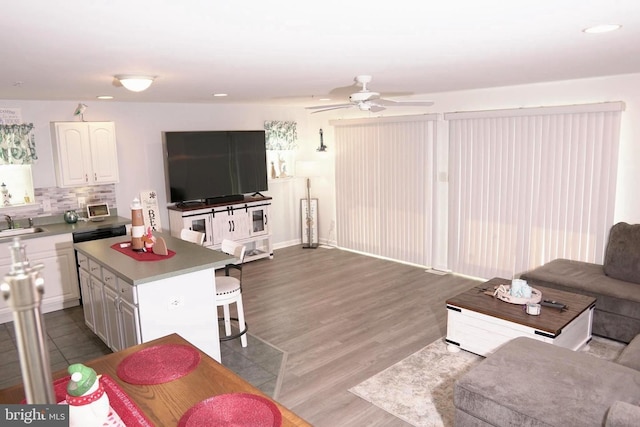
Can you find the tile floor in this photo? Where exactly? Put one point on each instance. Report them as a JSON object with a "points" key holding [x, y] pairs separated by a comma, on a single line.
{"points": [[69, 341]]}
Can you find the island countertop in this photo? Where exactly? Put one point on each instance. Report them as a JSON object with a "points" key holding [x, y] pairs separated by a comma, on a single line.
{"points": [[188, 258]]}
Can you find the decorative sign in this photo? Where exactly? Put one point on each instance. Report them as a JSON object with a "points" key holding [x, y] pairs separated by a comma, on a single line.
{"points": [[309, 219], [10, 116], [150, 211]]}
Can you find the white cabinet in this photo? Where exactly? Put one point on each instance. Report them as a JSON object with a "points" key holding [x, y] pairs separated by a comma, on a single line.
{"points": [[245, 222], [93, 296], [122, 318], [57, 256], [85, 153], [110, 305], [230, 223]]}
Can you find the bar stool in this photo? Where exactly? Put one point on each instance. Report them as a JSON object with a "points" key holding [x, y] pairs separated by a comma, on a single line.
{"points": [[228, 288], [229, 291]]}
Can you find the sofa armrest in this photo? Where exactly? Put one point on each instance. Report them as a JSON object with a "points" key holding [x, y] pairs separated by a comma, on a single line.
{"points": [[622, 414]]}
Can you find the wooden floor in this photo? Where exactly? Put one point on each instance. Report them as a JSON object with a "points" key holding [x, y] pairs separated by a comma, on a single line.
{"points": [[342, 317]]}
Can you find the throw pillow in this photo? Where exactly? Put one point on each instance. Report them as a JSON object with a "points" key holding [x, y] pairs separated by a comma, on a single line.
{"points": [[622, 257]]}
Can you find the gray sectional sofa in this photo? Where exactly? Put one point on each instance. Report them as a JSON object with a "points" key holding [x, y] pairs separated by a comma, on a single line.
{"points": [[531, 383], [615, 284]]}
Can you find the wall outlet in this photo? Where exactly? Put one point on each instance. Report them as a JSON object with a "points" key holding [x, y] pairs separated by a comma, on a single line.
{"points": [[81, 202], [46, 205]]}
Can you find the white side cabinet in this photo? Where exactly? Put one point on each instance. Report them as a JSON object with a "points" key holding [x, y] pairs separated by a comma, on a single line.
{"points": [[85, 153], [57, 255], [245, 222], [110, 305]]}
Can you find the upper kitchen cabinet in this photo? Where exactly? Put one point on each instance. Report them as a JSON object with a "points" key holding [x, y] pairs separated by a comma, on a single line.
{"points": [[85, 153]]}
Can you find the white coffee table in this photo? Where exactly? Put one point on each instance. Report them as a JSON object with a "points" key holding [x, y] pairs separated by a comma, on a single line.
{"points": [[481, 323]]}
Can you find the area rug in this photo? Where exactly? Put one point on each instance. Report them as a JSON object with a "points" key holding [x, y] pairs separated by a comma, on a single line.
{"points": [[419, 389]]}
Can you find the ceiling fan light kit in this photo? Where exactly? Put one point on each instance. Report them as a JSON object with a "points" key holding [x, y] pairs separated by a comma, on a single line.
{"points": [[367, 100], [135, 83]]}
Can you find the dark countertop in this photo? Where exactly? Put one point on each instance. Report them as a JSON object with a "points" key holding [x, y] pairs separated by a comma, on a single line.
{"points": [[189, 257], [61, 227]]}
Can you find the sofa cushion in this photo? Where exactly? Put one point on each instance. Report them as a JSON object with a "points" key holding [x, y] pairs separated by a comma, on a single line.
{"points": [[617, 314], [531, 383], [622, 257]]}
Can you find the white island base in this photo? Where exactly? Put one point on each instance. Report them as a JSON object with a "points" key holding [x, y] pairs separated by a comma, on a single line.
{"points": [[184, 305]]}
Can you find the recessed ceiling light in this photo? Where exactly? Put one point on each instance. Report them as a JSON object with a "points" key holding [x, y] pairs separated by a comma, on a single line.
{"points": [[220, 94], [604, 28], [324, 99], [104, 97]]}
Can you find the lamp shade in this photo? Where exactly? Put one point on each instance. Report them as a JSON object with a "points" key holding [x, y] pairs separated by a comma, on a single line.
{"points": [[135, 83], [307, 168]]}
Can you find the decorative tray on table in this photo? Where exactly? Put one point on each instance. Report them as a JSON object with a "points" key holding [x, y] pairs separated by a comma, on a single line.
{"points": [[502, 292]]}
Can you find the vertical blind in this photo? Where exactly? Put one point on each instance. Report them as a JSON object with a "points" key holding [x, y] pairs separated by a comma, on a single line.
{"points": [[530, 185], [384, 186]]}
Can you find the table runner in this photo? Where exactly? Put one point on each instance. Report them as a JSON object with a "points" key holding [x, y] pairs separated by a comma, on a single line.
{"points": [[141, 256]]}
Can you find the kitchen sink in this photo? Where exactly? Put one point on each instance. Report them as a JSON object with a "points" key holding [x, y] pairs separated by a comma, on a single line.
{"points": [[20, 231]]}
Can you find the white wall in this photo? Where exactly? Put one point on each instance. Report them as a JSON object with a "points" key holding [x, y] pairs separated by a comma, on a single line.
{"points": [[139, 127]]}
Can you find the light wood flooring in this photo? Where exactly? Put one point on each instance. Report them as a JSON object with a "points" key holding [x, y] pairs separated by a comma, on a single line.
{"points": [[342, 317]]}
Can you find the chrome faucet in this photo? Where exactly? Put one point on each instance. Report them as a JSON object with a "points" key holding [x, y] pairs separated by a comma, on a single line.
{"points": [[9, 220]]}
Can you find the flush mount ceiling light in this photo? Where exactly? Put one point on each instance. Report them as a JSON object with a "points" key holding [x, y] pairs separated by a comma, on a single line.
{"points": [[135, 83], [604, 28]]}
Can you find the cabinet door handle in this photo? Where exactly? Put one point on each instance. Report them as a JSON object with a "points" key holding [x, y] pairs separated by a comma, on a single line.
{"points": [[266, 221], [234, 225], [86, 177], [95, 176], [229, 226]]}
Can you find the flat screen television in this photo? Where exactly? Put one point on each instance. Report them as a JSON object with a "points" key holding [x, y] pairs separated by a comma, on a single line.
{"points": [[214, 165]]}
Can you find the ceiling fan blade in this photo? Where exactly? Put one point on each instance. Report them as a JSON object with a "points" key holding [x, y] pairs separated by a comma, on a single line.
{"points": [[328, 107], [317, 107], [391, 103]]}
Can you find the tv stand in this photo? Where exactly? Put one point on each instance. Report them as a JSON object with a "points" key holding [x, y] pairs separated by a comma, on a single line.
{"points": [[224, 199], [247, 222]]}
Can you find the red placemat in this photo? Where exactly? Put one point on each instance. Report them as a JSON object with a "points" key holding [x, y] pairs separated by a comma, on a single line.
{"points": [[141, 256], [158, 364], [234, 409], [125, 408]]}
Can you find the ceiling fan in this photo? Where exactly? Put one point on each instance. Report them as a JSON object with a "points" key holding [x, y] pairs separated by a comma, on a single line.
{"points": [[367, 100]]}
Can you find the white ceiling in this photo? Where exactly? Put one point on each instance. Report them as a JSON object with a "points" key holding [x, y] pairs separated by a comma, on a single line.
{"points": [[291, 51]]}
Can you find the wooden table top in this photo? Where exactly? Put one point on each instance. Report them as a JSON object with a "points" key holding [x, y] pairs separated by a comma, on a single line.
{"points": [[164, 404], [550, 320]]}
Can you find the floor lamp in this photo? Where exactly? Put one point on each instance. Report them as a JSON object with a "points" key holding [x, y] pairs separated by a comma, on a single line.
{"points": [[310, 216]]}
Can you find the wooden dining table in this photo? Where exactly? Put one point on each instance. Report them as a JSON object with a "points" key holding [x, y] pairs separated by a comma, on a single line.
{"points": [[165, 404]]}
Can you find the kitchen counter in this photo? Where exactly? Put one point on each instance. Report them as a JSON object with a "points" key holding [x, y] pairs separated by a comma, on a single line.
{"points": [[188, 258], [56, 225]]}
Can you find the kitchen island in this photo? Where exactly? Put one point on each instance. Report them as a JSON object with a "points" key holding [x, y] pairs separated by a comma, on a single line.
{"points": [[128, 301]]}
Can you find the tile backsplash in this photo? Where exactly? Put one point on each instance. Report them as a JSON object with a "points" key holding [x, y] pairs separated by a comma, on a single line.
{"points": [[51, 201]]}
